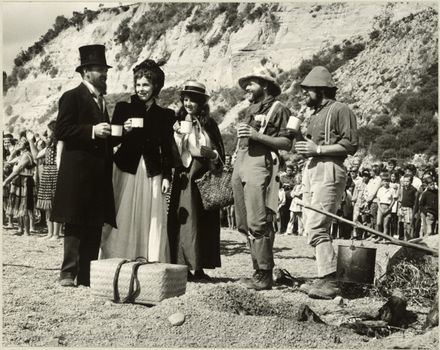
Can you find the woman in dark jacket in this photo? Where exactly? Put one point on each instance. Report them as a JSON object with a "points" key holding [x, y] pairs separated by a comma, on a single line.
{"points": [[142, 171], [194, 232]]}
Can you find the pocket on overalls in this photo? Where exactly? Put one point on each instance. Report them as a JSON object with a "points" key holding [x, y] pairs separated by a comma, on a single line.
{"points": [[329, 172], [339, 173]]}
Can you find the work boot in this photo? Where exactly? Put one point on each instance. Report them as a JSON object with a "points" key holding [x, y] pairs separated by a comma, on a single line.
{"points": [[328, 289], [262, 281], [248, 280], [309, 285]]}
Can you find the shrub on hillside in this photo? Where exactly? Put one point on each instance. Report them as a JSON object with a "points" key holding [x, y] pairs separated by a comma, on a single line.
{"points": [[46, 64], [13, 119], [9, 110], [382, 120], [91, 15], [22, 73], [122, 33], [351, 51], [368, 134], [374, 34], [53, 72]]}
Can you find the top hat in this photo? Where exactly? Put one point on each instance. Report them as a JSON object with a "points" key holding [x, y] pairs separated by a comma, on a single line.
{"points": [[194, 87], [264, 74], [319, 77], [92, 55]]}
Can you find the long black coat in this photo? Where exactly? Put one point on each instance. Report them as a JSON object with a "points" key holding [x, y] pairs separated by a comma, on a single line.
{"points": [[84, 192]]}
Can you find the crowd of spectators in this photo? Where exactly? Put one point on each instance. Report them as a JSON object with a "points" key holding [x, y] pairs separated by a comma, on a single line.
{"points": [[398, 199]]}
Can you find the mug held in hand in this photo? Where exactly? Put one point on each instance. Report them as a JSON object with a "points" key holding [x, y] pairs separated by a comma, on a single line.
{"points": [[294, 123], [137, 122], [185, 127], [116, 130]]}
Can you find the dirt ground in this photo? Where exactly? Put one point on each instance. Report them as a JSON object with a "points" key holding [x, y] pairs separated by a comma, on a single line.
{"points": [[38, 312]]}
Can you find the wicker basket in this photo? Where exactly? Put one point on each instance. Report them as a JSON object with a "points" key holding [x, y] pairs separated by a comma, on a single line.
{"points": [[216, 190], [157, 281]]}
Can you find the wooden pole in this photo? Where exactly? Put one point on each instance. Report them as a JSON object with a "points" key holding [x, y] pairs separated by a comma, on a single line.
{"points": [[374, 232]]}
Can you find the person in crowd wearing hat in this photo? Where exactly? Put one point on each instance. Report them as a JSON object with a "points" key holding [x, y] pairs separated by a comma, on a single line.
{"points": [[331, 136], [194, 232], [142, 172], [261, 134], [385, 198], [84, 193]]}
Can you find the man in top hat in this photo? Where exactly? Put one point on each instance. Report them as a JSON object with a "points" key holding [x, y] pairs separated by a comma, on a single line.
{"points": [[84, 192], [331, 136], [261, 133]]}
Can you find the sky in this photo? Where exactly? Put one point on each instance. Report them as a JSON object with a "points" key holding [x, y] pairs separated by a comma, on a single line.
{"points": [[24, 22]]}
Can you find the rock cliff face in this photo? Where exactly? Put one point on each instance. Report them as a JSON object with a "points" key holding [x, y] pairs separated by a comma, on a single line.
{"points": [[391, 63], [283, 34]]}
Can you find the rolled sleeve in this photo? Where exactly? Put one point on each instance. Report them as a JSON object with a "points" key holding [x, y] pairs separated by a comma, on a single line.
{"points": [[347, 129]]}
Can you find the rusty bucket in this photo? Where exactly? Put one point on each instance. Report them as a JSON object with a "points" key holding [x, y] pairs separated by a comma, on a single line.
{"points": [[356, 264]]}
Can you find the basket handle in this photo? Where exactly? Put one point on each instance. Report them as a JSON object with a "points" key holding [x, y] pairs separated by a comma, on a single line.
{"points": [[116, 297], [134, 287]]}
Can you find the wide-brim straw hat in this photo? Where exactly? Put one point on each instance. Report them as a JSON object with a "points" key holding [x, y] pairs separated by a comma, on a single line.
{"points": [[319, 76], [194, 87], [264, 74]]}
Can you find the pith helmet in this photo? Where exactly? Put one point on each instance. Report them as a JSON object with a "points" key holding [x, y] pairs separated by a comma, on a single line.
{"points": [[319, 77], [264, 74]]}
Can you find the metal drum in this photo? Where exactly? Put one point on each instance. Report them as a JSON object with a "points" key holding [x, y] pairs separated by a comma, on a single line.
{"points": [[356, 264]]}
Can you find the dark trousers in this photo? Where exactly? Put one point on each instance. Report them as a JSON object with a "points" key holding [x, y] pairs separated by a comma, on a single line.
{"points": [[285, 215], [81, 245]]}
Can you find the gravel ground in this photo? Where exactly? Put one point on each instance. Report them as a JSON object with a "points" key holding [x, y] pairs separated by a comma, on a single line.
{"points": [[38, 312]]}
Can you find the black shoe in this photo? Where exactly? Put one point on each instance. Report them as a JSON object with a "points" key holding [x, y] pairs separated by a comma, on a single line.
{"points": [[190, 276], [200, 275]]}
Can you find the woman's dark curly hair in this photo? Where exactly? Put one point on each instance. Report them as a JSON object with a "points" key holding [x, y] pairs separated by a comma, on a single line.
{"points": [[203, 107], [151, 70], [51, 126]]}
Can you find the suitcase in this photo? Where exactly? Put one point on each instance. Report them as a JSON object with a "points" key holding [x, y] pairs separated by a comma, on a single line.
{"points": [[137, 281]]}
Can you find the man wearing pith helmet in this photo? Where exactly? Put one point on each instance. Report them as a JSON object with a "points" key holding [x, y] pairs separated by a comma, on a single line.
{"points": [[261, 134], [330, 137]]}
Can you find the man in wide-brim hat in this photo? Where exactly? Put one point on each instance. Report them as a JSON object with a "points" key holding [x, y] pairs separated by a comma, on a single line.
{"points": [[84, 192], [261, 133], [331, 136]]}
